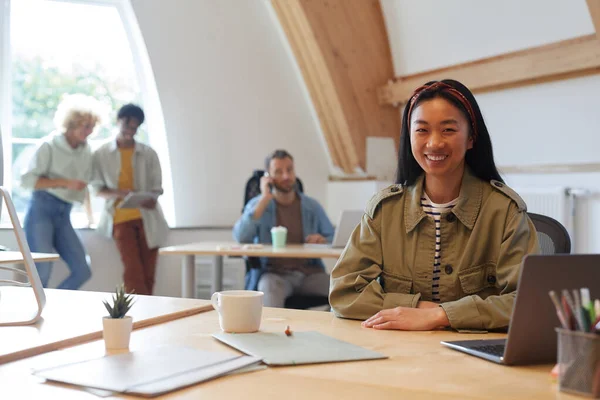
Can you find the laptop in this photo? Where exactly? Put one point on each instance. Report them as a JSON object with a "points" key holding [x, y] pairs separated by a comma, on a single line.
{"points": [[531, 337], [347, 221]]}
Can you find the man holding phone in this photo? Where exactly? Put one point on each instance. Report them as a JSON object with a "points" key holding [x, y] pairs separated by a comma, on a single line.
{"points": [[280, 204]]}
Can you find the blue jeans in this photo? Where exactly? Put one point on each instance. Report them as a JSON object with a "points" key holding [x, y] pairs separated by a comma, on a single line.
{"points": [[48, 229]]}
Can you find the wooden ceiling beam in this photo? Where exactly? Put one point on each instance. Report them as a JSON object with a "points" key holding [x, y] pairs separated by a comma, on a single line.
{"points": [[560, 60], [311, 63], [343, 53], [594, 9]]}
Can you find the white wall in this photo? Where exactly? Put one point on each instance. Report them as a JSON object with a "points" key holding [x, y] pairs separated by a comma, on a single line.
{"points": [[429, 34], [350, 195], [230, 94], [550, 123]]}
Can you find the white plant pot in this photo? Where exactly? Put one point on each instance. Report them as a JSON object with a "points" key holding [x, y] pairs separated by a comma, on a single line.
{"points": [[116, 332]]}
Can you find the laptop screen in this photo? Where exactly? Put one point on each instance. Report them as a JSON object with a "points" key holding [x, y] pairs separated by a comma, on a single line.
{"points": [[347, 222]]}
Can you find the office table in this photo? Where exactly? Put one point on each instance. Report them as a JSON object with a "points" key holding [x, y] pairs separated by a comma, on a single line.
{"points": [[15, 257], [72, 317], [221, 249], [418, 367]]}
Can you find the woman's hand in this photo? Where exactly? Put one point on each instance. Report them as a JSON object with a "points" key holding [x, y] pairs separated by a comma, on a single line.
{"points": [[424, 318], [75, 184], [120, 194]]}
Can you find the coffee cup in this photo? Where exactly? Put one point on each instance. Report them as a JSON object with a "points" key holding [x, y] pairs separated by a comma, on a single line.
{"points": [[240, 311], [278, 236]]}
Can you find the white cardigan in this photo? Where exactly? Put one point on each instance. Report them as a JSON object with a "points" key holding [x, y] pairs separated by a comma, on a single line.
{"points": [[147, 177]]}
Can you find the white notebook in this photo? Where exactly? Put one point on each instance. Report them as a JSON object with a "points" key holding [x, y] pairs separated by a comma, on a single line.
{"points": [[299, 348], [149, 372]]}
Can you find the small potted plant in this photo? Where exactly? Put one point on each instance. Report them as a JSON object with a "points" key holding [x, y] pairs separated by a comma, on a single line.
{"points": [[117, 326]]}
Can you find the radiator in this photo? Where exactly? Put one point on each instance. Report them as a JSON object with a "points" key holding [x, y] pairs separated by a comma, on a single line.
{"points": [[556, 202], [553, 202]]}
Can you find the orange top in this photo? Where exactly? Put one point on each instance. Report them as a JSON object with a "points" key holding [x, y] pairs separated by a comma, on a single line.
{"points": [[126, 182]]}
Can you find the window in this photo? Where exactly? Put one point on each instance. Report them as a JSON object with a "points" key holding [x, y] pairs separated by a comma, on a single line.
{"points": [[62, 47]]}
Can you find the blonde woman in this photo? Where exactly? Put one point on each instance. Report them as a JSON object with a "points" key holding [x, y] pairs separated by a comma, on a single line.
{"points": [[58, 174]]}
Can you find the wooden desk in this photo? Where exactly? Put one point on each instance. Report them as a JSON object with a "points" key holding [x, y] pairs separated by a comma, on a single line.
{"points": [[74, 317], [220, 249], [418, 367], [15, 257]]}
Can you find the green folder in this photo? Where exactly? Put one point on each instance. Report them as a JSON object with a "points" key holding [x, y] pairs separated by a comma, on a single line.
{"points": [[299, 348]]}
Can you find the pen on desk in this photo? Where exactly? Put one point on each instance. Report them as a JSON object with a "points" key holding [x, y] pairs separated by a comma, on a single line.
{"points": [[568, 314], [578, 310], [572, 309], [559, 311], [582, 312], [585, 320], [588, 306]]}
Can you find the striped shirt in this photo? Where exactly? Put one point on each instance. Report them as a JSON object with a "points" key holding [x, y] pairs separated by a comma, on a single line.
{"points": [[435, 211]]}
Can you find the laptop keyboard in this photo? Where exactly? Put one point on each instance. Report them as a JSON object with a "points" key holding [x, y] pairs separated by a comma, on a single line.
{"points": [[493, 349]]}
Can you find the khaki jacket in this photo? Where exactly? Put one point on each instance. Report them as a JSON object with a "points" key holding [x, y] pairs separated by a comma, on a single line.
{"points": [[388, 261]]}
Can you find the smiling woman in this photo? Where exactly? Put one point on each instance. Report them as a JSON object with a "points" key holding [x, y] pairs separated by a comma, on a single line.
{"points": [[443, 246]]}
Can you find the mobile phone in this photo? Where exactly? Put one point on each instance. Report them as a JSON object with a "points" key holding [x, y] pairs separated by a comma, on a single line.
{"points": [[266, 174]]}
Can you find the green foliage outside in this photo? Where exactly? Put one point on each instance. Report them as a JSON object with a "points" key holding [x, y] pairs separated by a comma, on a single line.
{"points": [[37, 89]]}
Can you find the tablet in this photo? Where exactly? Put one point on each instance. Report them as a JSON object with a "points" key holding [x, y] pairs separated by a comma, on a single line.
{"points": [[135, 199]]}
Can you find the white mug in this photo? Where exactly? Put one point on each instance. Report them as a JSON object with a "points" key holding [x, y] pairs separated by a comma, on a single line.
{"points": [[239, 311]]}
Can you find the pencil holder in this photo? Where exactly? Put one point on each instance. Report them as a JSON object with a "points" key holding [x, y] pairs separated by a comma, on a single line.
{"points": [[579, 363]]}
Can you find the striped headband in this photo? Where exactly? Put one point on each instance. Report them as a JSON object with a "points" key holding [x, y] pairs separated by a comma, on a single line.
{"points": [[450, 90]]}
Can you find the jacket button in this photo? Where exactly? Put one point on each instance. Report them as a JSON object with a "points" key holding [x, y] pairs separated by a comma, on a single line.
{"points": [[448, 269], [450, 217], [498, 184], [394, 189], [491, 279]]}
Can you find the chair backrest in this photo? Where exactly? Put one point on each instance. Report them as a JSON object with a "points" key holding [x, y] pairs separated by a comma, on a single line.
{"points": [[253, 186], [552, 235]]}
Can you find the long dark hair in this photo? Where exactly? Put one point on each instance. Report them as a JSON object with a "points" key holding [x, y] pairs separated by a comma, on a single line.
{"points": [[480, 158]]}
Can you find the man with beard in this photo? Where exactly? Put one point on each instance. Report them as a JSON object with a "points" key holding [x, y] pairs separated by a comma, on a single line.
{"points": [[280, 204]]}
